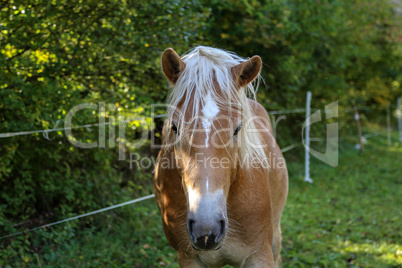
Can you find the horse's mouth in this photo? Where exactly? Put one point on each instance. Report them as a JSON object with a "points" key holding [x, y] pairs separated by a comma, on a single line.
{"points": [[208, 243], [214, 248]]}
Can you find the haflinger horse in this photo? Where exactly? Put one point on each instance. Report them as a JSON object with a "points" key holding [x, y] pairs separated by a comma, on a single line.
{"points": [[221, 181]]}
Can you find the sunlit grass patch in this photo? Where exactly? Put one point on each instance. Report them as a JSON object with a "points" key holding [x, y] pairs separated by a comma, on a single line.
{"points": [[378, 252]]}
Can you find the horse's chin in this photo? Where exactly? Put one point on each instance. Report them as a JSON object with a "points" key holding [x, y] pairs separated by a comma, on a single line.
{"points": [[218, 247]]}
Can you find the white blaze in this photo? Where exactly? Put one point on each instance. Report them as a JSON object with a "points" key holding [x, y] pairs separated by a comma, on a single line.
{"points": [[210, 110], [204, 203], [194, 198]]}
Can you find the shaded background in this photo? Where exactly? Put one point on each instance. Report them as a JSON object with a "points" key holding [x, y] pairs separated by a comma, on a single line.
{"points": [[58, 54]]}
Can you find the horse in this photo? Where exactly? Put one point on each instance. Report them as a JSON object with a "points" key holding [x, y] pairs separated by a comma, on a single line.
{"points": [[220, 181]]}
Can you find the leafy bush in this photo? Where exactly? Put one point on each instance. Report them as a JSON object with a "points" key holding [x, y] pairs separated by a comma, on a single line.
{"points": [[56, 55], [339, 50]]}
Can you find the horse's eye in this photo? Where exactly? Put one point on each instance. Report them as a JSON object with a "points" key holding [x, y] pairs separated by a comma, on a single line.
{"points": [[237, 130], [174, 128]]}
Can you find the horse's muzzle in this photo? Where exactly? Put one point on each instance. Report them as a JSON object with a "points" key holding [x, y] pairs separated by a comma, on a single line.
{"points": [[206, 236]]}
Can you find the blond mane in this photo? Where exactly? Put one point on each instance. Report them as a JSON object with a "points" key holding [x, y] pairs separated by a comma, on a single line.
{"points": [[206, 69]]}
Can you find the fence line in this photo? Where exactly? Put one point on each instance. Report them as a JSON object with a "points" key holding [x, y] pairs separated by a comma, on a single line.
{"points": [[83, 215], [307, 155], [107, 208], [295, 111], [47, 131], [365, 137], [290, 147]]}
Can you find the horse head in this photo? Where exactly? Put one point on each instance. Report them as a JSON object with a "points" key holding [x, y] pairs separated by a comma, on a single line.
{"points": [[206, 128]]}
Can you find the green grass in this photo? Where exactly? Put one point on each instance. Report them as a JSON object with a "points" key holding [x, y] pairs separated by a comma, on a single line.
{"points": [[349, 217], [351, 214]]}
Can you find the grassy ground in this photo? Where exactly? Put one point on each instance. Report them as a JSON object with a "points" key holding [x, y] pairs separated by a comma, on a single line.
{"points": [[349, 217]]}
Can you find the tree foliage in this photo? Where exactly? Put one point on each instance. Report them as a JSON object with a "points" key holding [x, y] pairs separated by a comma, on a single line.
{"points": [[340, 50], [57, 54]]}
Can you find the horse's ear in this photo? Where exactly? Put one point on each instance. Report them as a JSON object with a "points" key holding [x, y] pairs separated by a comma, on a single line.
{"points": [[172, 65], [247, 71]]}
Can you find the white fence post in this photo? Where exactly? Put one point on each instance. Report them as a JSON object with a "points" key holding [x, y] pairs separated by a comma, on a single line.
{"points": [[307, 140], [399, 114], [359, 130]]}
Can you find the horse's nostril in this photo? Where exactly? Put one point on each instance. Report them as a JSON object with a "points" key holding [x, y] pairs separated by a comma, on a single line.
{"points": [[221, 233], [222, 226], [191, 230]]}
